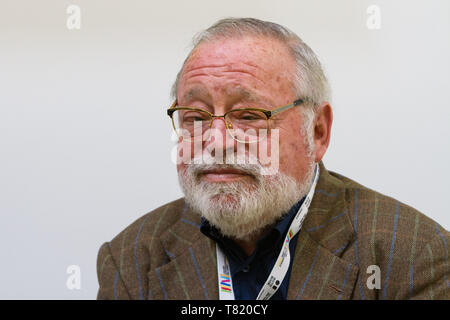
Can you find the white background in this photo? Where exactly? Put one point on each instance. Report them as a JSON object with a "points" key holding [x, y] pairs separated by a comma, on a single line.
{"points": [[85, 140]]}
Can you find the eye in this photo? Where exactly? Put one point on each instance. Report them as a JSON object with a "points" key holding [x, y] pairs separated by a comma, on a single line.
{"points": [[249, 115], [191, 116]]}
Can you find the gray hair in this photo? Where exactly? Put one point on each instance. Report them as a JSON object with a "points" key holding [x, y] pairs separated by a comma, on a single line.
{"points": [[310, 84], [310, 81]]}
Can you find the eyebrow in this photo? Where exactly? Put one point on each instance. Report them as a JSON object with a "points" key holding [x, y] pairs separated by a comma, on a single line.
{"points": [[233, 93], [196, 92], [244, 94]]}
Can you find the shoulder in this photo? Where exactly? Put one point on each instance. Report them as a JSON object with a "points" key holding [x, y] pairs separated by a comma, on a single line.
{"points": [[388, 230], [123, 262], [410, 249], [139, 241], [153, 223], [143, 233], [374, 212]]}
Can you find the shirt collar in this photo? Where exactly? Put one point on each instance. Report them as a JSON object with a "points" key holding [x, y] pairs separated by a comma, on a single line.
{"points": [[271, 240]]}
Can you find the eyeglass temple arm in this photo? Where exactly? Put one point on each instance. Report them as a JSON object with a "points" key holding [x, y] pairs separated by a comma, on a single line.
{"points": [[170, 111], [293, 104]]}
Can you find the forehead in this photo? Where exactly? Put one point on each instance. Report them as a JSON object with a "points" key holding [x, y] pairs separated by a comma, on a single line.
{"points": [[242, 49], [264, 61]]}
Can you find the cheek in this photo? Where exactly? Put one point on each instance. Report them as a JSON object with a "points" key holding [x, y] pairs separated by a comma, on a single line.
{"points": [[288, 154], [185, 152], [291, 145], [181, 167], [293, 155]]}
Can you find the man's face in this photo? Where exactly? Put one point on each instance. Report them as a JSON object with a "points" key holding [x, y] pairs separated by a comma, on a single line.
{"points": [[248, 72], [238, 73]]}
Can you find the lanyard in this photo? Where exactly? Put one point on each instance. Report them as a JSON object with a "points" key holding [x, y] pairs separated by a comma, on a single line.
{"points": [[281, 266]]}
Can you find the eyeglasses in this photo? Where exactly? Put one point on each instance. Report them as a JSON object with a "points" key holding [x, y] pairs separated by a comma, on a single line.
{"points": [[243, 124]]}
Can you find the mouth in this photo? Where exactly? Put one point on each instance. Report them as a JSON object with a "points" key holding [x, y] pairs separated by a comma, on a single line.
{"points": [[223, 175]]}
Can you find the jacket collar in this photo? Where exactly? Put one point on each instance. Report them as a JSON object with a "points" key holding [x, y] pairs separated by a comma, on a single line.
{"points": [[328, 221], [319, 271]]}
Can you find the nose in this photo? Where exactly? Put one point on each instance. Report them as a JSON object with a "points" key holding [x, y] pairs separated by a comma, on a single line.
{"points": [[218, 122], [219, 139]]}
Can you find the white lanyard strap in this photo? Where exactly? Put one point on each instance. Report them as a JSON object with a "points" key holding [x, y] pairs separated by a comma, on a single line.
{"points": [[281, 266]]}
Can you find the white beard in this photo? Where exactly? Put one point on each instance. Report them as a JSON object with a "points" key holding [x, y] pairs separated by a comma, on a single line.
{"points": [[241, 210]]}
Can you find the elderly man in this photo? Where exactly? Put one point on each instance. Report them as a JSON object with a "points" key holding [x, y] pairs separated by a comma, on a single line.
{"points": [[280, 229]]}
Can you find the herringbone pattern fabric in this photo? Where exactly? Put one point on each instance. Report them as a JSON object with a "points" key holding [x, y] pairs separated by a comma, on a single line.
{"points": [[163, 254]]}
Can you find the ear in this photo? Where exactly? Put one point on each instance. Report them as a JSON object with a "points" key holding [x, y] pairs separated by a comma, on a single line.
{"points": [[322, 129]]}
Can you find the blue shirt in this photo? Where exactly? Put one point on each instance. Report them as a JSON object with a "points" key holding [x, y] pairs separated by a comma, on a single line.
{"points": [[249, 273]]}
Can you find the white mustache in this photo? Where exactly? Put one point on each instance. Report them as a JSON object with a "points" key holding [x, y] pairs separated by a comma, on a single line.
{"points": [[249, 164]]}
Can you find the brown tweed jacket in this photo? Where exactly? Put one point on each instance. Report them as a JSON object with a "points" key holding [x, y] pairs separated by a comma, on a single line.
{"points": [[163, 254]]}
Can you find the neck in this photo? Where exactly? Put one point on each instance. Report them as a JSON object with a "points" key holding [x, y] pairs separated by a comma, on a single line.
{"points": [[248, 245]]}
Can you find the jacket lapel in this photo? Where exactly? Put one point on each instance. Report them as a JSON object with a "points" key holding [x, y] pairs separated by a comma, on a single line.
{"points": [[318, 270], [191, 270]]}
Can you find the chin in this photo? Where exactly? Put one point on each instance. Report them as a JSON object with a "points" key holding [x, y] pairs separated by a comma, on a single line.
{"points": [[224, 200]]}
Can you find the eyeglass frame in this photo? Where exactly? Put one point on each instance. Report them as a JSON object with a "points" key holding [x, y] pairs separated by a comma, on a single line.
{"points": [[267, 113]]}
